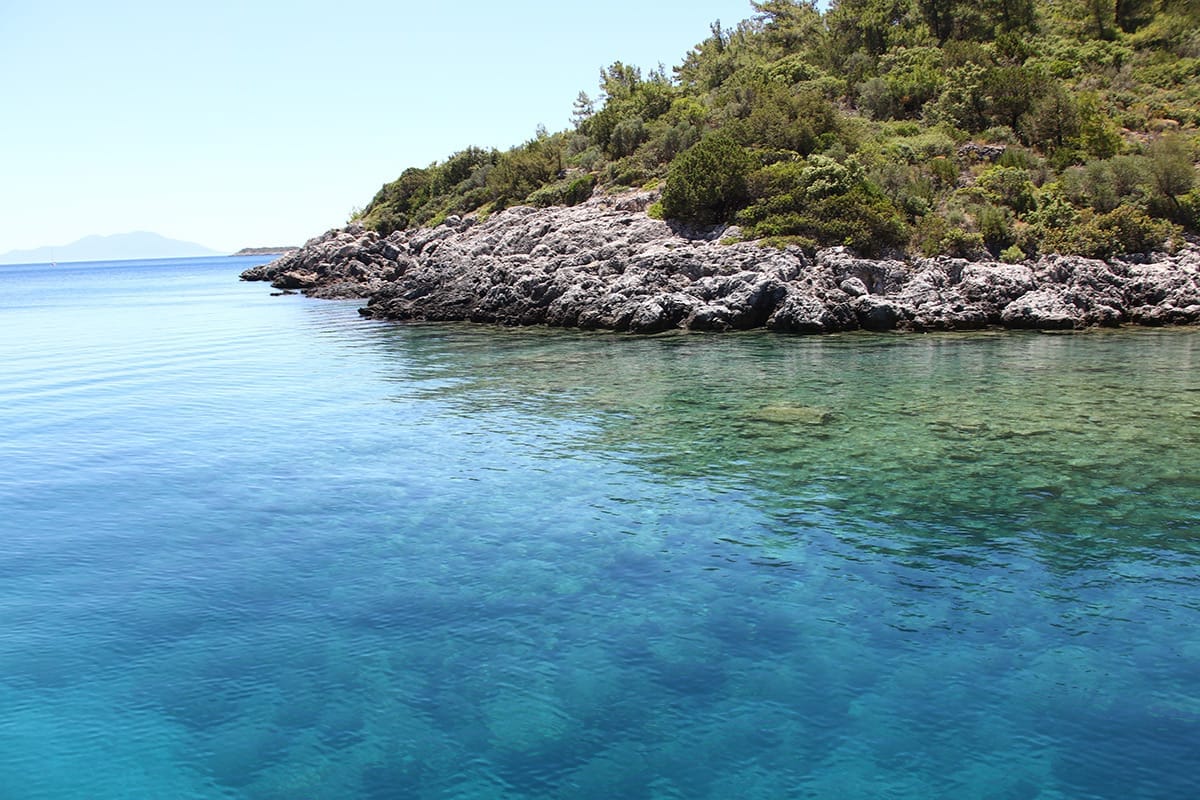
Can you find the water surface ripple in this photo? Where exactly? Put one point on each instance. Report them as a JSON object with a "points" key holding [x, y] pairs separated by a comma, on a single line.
{"points": [[256, 547]]}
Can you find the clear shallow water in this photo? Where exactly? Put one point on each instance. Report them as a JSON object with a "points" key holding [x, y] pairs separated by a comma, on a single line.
{"points": [[255, 547]]}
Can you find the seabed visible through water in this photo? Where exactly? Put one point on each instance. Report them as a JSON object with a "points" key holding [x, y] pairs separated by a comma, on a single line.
{"points": [[255, 547]]}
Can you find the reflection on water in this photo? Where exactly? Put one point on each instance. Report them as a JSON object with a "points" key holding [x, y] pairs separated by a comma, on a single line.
{"points": [[259, 548]]}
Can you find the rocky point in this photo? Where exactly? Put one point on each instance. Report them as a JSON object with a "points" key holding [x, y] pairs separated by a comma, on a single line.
{"points": [[605, 264]]}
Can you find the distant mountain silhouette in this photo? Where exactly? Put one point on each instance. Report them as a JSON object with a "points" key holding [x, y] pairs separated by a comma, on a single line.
{"points": [[118, 247]]}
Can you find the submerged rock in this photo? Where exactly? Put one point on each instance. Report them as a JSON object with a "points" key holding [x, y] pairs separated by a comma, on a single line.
{"points": [[605, 264], [792, 415]]}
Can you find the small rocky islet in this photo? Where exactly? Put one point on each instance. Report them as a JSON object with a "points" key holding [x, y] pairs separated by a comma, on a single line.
{"points": [[605, 264]]}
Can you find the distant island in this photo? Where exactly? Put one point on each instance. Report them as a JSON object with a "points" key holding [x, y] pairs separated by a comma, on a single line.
{"points": [[118, 247], [265, 251]]}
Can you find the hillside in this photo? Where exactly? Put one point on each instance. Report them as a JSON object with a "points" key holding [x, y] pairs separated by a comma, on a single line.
{"points": [[993, 129]]}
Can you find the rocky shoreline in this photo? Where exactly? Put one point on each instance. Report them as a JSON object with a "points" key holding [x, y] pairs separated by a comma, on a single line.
{"points": [[605, 264]]}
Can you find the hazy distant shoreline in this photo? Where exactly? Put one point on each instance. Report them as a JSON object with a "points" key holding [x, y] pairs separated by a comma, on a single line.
{"points": [[265, 251], [118, 247]]}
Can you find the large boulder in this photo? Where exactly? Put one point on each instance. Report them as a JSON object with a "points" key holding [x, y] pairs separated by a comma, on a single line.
{"points": [[1043, 310]]}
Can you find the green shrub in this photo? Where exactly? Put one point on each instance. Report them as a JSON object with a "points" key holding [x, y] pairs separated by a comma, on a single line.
{"points": [[1017, 158], [384, 221], [999, 134], [996, 227], [776, 117], [860, 218], [626, 136], [1012, 255], [567, 192], [667, 140], [1054, 211], [1009, 186], [1103, 185], [944, 170], [1053, 120], [628, 171], [590, 159], [521, 170], [939, 236], [1098, 135], [913, 76], [963, 103], [1189, 208], [1172, 174], [461, 168], [471, 200], [806, 244], [793, 69], [1119, 232], [875, 98], [707, 183]]}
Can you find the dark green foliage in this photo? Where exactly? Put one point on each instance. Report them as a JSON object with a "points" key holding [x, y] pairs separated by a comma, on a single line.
{"points": [[788, 25], [871, 26], [567, 192], [1011, 93], [707, 182], [778, 118], [1120, 231], [996, 228], [522, 170], [393, 205], [1104, 184], [938, 235], [1133, 14], [860, 219], [460, 168], [1012, 17], [1053, 120], [1171, 167], [1009, 186], [977, 19], [626, 136], [875, 123], [964, 102], [419, 195], [1189, 211], [823, 201]]}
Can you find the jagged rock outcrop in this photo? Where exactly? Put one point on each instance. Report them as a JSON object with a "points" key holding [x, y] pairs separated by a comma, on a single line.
{"points": [[606, 264]]}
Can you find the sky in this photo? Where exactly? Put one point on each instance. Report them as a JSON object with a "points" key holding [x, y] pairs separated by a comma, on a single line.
{"points": [[242, 123]]}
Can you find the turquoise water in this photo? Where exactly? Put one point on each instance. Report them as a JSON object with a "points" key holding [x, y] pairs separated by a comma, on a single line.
{"points": [[256, 547]]}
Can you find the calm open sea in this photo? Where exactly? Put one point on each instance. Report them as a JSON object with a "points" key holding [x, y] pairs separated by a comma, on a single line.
{"points": [[256, 547]]}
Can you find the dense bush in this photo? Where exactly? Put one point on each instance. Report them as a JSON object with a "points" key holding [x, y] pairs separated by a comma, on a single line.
{"points": [[1120, 231], [520, 171], [393, 205], [1009, 186], [567, 192], [825, 203], [707, 182]]}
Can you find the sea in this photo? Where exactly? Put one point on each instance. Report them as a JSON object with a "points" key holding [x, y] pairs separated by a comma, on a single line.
{"points": [[256, 547]]}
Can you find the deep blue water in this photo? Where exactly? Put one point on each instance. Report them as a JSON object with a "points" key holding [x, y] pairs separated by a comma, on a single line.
{"points": [[256, 547]]}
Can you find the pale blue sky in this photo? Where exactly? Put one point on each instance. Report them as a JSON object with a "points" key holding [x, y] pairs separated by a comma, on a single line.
{"points": [[236, 123]]}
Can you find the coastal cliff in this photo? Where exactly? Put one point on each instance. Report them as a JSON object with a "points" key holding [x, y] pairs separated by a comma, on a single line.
{"points": [[606, 264]]}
